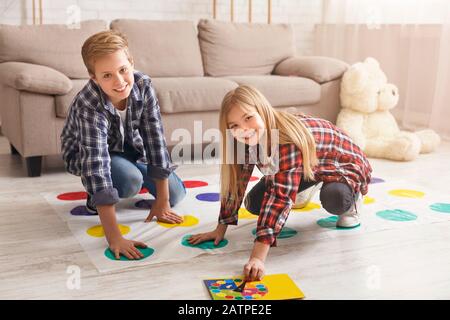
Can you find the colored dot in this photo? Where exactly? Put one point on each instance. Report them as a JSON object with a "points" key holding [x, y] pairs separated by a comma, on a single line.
{"points": [[143, 190], [239, 298], [210, 197], [229, 281], [254, 178], [147, 252], [286, 232], [215, 290], [376, 180], [396, 215], [406, 193], [248, 297], [330, 223], [188, 221], [194, 183], [221, 294], [204, 245], [72, 196], [368, 200], [144, 204], [441, 207], [238, 280], [256, 296], [216, 285], [81, 211], [229, 297], [245, 214], [98, 232], [309, 207]]}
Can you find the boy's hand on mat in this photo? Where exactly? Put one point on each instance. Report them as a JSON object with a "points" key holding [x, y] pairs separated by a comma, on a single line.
{"points": [[217, 235], [254, 269], [163, 213], [127, 248]]}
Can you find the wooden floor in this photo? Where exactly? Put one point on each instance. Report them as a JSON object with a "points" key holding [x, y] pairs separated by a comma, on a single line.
{"points": [[36, 248]]}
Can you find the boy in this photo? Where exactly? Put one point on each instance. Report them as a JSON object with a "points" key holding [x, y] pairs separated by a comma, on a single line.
{"points": [[113, 138]]}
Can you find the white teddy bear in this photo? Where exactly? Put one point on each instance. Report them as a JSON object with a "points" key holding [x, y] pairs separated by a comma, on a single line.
{"points": [[366, 98]]}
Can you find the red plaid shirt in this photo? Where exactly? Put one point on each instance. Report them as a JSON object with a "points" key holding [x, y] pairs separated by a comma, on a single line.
{"points": [[339, 160]]}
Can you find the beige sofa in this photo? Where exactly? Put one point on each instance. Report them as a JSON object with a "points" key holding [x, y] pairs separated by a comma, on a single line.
{"points": [[192, 67]]}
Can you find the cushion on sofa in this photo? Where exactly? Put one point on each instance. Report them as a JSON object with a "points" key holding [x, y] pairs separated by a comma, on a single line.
{"points": [[34, 78], [163, 48], [54, 45], [283, 91], [243, 48], [63, 102], [191, 94]]}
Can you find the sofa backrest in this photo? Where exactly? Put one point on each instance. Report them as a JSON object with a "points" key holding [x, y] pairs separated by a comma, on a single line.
{"points": [[243, 48], [55, 45], [163, 48]]}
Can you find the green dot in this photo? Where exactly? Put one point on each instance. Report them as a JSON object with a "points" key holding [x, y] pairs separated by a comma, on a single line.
{"points": [[145, 251], [396, 215], [441, 207], [204, 245], [330, 223], [238, 298], [286, 232]]}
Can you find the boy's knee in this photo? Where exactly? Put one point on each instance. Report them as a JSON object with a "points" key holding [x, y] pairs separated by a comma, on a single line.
{"points": [[177, 192], [336, 198], [130, 186]]}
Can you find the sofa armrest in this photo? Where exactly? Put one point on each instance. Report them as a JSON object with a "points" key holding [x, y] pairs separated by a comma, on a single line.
{"points": [[319, 69], [34, 78]]}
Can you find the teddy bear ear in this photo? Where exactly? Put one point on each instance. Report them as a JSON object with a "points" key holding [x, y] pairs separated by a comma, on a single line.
{"points": [[372, 62], [355, 78]]}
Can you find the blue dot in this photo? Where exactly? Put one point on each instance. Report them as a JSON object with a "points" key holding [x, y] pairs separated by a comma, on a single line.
{"points": [[210, 197]]}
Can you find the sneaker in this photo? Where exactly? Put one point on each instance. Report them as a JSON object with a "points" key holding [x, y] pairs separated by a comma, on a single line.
{"points": [[350, 219], [90, 206], [303, 198]]}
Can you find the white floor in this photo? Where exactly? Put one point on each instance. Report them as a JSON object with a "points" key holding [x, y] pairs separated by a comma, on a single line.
{"points": [[37, 247]]}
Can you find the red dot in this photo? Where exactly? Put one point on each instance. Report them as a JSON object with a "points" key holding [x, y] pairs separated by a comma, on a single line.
{"points": [[143, 190], [194, 183], [253, 178], [72, 196], [229, 297]]}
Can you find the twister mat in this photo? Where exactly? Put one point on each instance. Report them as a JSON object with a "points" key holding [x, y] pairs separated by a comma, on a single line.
{"points": [[389, 204]]}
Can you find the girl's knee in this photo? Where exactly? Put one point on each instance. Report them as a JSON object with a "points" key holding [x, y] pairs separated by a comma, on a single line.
{"points": [[336, 198]]}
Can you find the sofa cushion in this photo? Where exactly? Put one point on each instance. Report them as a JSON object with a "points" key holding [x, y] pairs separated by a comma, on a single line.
{"points": [[191, 94], [163, 48], [62, 103], [283, 91], [242, 48], [34, 78], [54, 45]]}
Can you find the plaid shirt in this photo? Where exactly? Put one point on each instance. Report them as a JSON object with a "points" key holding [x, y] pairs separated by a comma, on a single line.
{"points": [[339, 160], [93, 129]]}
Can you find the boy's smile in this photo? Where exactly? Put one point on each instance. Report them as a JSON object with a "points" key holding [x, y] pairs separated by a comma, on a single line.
{"points": [[114, 74]]}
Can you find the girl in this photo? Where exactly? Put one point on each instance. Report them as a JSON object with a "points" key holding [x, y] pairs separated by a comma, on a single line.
{"points": [[311, 153]]}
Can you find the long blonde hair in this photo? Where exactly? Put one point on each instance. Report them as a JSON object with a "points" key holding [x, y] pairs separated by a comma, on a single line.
{"points": [[290, 130]]}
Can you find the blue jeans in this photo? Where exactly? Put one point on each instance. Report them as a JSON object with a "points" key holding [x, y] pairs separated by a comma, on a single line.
{"points": [[129, 177]]}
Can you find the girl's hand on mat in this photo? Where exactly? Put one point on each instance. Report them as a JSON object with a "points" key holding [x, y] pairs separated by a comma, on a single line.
{"points": [[163, 213], [127, 248], [254, 270], [217, 235]]}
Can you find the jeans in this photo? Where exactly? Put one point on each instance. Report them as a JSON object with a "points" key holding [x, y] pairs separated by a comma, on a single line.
{"points": [[129, 177], [336, 197]]}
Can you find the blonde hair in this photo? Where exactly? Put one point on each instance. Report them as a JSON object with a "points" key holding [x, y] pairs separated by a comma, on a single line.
{"points": [[290, 130], [101, 44]]}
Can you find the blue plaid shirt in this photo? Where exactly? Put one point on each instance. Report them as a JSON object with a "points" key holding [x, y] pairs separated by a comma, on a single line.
{"points": [[93, 129]]}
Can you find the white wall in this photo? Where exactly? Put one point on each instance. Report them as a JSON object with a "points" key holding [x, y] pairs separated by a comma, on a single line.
{"points": [[301, 13]]}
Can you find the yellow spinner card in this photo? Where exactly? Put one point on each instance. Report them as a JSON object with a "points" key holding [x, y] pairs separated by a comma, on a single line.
{"points": [[271, 287]]}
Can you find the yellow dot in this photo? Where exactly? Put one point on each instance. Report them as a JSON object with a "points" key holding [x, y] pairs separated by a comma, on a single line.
{"points": [[188, 221], [309, 207], [245, 214], [368, 200], [220, 282], [406, 193], [220, 294], [98, 232], [256, 296]]}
